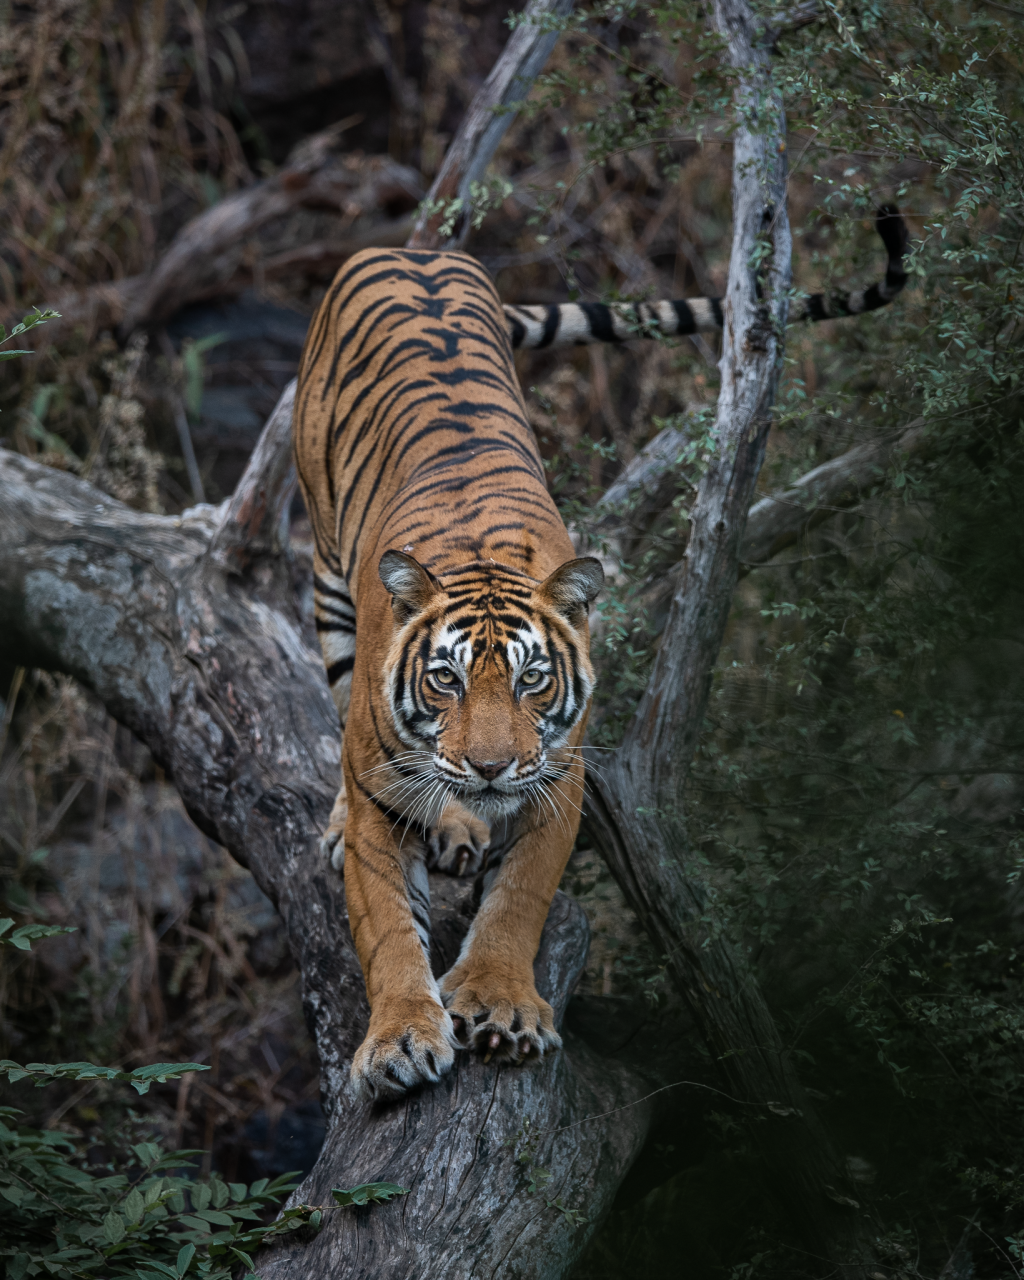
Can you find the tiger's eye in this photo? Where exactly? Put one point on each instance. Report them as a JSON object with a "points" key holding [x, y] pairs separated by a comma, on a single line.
{"points": [[444, 675], [531, 677]]}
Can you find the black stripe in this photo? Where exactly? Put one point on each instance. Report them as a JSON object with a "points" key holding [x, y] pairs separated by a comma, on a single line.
{"points": [[333, 592], [340, 668], [685, 323], [551, 320], [599, 320]]}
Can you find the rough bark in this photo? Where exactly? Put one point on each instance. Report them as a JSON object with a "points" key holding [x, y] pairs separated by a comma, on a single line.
{"points": [[637, 818], [489, 116], [185, 628]]}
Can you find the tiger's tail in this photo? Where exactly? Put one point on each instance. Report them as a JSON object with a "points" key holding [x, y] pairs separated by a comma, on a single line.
{"points": [[571, 324]]}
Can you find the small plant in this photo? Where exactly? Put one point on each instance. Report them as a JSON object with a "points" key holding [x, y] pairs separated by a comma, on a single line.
{"points": [[130, 1219], [23, 937], [33, 319], [368, 1193], [63, 1217]]}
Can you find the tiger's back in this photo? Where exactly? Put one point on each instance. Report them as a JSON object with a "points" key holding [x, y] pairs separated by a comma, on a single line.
{"points": [[411, 430]]}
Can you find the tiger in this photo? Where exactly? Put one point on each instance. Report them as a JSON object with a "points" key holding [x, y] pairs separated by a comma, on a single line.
{"points": [[464, 703]]}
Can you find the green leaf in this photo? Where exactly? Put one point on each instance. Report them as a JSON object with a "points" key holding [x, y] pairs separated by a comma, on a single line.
{"points": [[134, 1206], [195, 1224], [368, 1193], [161, 1072], [185, 1255], [242, 1257], [217, 1218], [220, 1193], [201, 1195], [113, 1227]]}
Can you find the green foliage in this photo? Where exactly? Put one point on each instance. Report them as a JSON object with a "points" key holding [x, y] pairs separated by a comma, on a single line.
{"points": [[43, 1073], [36, 317], [368, 1193], [66, 1218], [134, 1218], [23, 937], [483, 197]]}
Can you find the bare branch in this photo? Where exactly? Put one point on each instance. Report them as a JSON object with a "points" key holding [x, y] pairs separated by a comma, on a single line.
{"points": [[256, 519], [212, 254], [775, 522], [489, 116]]}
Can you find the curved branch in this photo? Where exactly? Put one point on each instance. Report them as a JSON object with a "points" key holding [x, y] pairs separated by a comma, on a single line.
{"points": [[486, 122], [208, 256]]}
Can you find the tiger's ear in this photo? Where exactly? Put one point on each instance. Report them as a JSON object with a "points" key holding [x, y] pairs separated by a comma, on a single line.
{"points": [[572, 587], [410, 585]]}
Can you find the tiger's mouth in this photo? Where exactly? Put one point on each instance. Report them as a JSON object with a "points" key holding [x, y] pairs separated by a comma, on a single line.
{"points": [[490, 803], [490, 798]]}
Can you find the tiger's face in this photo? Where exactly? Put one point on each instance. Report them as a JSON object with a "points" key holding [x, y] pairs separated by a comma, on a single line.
{"points": [[487, 676]]}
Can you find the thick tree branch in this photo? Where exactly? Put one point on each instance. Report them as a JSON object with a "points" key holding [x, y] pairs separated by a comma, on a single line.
{"points": [[485, 124], [647, 487], [778, 520], [200, 654]]}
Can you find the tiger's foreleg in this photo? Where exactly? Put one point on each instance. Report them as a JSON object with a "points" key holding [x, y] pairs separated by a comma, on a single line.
{"points": [[410, 1039], [490, 991]]}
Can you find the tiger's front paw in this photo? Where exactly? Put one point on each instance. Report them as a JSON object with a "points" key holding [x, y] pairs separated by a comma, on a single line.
{"points": [[408, 1044], [498, 1017], [458, 843]]}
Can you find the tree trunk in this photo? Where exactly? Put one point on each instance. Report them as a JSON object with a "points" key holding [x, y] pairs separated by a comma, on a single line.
{"points": [[637, 815]]}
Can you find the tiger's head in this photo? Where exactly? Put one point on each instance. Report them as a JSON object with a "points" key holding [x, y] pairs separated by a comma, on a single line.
{"points": [[487, 676]]}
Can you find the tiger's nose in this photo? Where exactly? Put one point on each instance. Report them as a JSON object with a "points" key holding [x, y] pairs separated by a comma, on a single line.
{"points": [[488, 769]]}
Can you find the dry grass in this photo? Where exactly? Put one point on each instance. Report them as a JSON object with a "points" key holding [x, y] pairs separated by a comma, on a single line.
{"points": [[112, 135]]}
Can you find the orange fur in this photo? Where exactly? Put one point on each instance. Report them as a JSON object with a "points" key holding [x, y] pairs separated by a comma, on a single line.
{"points": [[464, 701]]}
